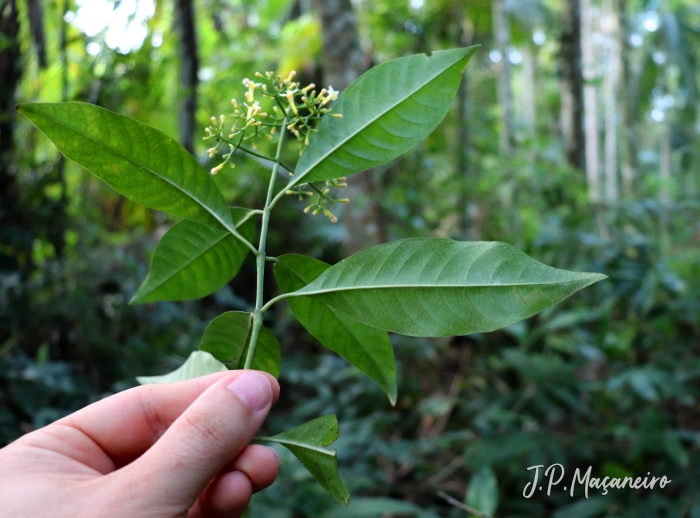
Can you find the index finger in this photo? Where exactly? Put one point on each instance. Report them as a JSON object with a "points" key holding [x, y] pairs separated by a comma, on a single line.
{"points": [[127, 424]]}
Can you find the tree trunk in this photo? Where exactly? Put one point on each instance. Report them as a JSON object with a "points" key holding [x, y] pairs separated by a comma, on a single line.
{"points": [[571, 84], [342, 55], [501, 31], [629, 163], [529, 85], [343, 63], [610, 85], [35, 13], [189, 65], [464, 39], [10, 72], [590, 103], [59, 241]]}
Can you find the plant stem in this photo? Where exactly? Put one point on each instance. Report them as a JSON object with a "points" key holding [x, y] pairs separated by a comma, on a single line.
{"points": [[253, 153], [261, 257], [275, 300]]}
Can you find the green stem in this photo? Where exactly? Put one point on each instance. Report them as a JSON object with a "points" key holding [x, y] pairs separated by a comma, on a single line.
{"points": [[275, 300], [255, 153], [261, 257]]}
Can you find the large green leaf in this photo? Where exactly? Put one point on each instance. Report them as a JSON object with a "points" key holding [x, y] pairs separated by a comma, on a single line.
{"points": [[140, 162], [385, 112], [308, 444], [482, 492], [193, 260], [199, 363], [228, 336], [368, 348], [441, 287]]}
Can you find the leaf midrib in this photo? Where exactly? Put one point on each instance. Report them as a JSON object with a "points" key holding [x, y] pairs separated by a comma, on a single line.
{"points": [[219, 240], [188, 263], [343, 141], [190, 195], [300, 293], [324, 451]]}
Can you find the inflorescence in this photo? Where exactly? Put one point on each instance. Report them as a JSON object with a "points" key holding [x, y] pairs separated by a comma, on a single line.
{"points": [[302, 108]]}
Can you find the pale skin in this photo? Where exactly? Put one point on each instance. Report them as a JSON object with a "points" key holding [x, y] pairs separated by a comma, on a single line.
{"points": [[158, 451]]}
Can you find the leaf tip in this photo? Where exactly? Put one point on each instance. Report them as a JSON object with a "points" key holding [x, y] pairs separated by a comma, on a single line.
{"points": [[139, 297], [596, 277]]}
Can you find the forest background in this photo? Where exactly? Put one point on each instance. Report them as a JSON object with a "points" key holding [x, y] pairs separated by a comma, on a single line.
{"points": [[574, 138]]}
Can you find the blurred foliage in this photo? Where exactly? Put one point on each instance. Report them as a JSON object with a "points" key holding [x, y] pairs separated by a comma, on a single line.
{"points": [[608, 379]]}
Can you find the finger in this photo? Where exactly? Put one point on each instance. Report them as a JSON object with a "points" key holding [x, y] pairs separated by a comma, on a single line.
{"points": [[129, 423], [211, 433], [226, 497], [261, 464]]}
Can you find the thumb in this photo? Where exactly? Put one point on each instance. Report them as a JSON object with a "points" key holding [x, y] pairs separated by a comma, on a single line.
{"points": [[212, 432]]}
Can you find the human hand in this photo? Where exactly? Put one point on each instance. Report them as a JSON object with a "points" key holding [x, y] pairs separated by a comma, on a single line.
{"points": [[171, 450]]}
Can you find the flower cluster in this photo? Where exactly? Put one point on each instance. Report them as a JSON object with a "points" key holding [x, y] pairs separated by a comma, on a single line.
{"points": [[297, 108], [320, 204], [303, 107]]}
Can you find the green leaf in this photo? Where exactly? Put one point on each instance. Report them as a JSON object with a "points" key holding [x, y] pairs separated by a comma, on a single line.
{"points": [[386, 111], [441, 287], [307, 442], [227, 338], [199, 363], [482, 492], [587, 508], [140, 162], [193, 260], [268, 354], [368, 348]]}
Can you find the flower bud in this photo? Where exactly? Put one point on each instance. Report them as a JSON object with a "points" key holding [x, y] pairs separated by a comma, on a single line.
{"points": [[290, 97], [330, 215], [217, 169]]}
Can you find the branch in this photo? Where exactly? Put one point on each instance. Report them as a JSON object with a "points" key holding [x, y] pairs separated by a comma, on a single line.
{"points": [[459, 505]]}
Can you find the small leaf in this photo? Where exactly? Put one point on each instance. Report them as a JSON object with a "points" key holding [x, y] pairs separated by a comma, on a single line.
{"points": [[199, 363], [268, 354], [193, 260], [441, 287], [226, 336], [482, 492], [307, 442], [367, 348], [227, 339], [386, 111], [138, 161]]}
